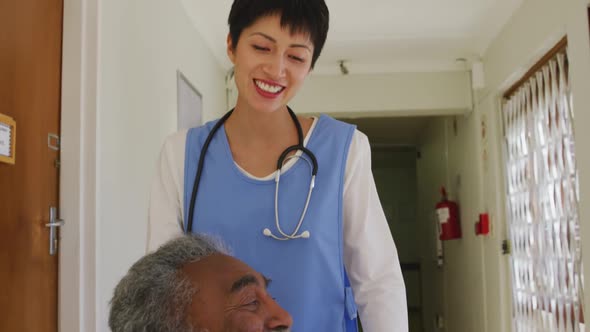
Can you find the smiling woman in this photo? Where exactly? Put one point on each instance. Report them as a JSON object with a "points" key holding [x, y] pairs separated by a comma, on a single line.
{"points": [[325, 237]]}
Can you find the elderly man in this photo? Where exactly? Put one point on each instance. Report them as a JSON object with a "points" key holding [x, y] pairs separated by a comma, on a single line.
{"points": [[191, 284]]}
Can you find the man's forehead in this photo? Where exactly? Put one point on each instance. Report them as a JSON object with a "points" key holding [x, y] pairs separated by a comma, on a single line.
{"points": [[223, 268]]}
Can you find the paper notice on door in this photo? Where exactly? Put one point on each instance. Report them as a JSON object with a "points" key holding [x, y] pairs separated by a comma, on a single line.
{"points": [[443, 215], [7, 139], [5, 143]]}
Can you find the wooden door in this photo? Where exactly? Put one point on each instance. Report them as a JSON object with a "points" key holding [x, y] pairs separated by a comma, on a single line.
{"points": [[30, 83]]}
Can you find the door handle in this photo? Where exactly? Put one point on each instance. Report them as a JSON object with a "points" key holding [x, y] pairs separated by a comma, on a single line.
{"points": [[53, 224], [59, 223]]}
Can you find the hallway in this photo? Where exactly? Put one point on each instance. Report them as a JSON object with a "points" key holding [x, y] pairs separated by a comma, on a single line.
{"points": [[470, 279], [412, 159]]}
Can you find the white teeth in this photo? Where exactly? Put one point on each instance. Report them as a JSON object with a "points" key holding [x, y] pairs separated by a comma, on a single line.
{"points": [[268, 87]]}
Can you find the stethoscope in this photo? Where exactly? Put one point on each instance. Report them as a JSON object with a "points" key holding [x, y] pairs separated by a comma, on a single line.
{"points": [[313, 164]]}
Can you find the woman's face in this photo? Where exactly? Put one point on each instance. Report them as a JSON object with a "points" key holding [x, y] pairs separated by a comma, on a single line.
{"points": [[270, 63]]}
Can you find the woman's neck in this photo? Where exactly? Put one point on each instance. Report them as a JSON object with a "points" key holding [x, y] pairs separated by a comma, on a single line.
{"points": [[253, 127], [257, 139]]}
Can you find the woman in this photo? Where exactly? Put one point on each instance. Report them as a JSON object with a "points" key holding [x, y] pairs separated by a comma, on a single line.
{"points": [[342, 240]]}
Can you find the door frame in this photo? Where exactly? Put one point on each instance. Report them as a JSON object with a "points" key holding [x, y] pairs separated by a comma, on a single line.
{"points": [[78, 187]]}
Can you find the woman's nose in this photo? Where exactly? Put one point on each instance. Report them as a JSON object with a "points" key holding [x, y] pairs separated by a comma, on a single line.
{"points": [[278, 317], [275, 68]]}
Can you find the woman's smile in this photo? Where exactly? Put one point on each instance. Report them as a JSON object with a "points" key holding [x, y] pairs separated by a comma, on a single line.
{"points": [[268, 89]]}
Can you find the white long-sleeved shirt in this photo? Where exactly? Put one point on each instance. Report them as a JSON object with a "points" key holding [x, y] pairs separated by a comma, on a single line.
{"points": [[370, 256]]}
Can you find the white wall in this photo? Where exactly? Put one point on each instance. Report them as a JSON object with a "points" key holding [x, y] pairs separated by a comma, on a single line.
{"points": [[431, 173], [393, 94], [465, 280], [490, 167], [142, 44]]}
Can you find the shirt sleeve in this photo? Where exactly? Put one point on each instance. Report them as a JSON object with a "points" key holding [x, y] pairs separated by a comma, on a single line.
{"points": [[165, 206], [370, 255]]}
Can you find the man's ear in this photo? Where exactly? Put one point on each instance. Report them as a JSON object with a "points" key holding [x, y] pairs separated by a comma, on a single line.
{"points": [[230, 49]]}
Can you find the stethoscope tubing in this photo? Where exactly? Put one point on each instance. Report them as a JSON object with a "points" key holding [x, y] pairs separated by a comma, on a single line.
{"points": [[293, 235], [284, 157], [191, 209]]}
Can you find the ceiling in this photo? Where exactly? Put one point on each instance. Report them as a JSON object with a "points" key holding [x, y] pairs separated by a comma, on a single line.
{"points": [[389, 131], [385, 35]]}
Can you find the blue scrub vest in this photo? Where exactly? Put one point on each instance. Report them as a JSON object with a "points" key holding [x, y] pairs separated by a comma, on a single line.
{"points": [[309, 279]]}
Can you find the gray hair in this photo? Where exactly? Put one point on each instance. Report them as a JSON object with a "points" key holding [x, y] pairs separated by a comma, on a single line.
{"points": [[154, 295]]}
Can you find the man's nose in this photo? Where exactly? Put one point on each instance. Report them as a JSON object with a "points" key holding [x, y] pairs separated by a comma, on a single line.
{"points": [[278, 317]]}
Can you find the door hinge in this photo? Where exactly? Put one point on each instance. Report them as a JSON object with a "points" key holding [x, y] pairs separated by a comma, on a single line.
{"points": [[506, 247]]}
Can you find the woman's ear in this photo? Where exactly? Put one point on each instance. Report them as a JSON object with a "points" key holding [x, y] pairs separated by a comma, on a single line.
{"points": [[230, 49]]}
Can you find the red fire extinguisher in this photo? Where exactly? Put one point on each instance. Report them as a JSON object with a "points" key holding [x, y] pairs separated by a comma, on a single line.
{"points": [[448, 218]]}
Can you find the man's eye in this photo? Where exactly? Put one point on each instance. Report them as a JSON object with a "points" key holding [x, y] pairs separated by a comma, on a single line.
{"points": [[253, 305]]}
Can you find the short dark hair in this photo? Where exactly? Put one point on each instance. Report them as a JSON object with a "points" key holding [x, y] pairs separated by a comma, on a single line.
{"points": [[300, 16]]}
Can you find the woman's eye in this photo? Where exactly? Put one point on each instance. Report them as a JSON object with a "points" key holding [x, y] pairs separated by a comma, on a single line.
{"points": [[296, 58], [260, 48]]}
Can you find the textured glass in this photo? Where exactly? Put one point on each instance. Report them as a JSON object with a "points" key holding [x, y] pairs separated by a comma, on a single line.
{"points": [[542, 203]]}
